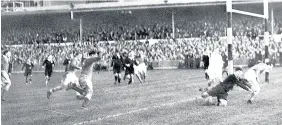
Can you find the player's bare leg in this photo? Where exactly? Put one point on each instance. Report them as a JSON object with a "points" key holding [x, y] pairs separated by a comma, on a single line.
{"points": [[86, 100], [88, 94], [125, 75], [26, 79], [139, 77], [130, 79], [4, 90], [79, 90], [116, 78], [58, 88], [144, 76], [47, 79], [2, 94], [254, 93], [30, 79]]}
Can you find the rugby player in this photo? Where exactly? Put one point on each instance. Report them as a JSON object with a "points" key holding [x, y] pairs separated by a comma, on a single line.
{"points": [[49, 64], [28, 66], [252, 75], [214, 70], [67, 61], [140, 68], [5, 78], [221, 90], [117, 66], [10, 68], [85, 87], [129, 69], [70, 77]]}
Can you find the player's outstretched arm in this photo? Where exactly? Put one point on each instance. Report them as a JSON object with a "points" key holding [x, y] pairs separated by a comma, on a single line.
{"points": [[243, 83], [44, 63]]}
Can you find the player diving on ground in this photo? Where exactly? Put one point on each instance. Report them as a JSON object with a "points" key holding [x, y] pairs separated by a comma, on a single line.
{"points": [[248, 81]]}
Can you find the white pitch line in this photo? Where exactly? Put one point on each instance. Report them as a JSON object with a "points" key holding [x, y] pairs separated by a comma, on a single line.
{"points": [[141, 109], [137, 110], [57, 112]]}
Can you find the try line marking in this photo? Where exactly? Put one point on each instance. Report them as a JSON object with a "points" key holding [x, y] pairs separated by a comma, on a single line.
{"points": [[137, 110]]}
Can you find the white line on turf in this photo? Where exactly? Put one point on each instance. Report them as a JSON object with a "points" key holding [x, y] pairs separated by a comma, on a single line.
{"points": [[57, 112], [141, 109], [138, 110]]}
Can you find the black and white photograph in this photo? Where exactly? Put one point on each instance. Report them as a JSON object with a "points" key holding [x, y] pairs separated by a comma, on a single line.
{"points": [[141, 62]]}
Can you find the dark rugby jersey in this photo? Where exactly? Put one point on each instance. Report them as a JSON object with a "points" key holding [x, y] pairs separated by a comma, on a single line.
{"points": [[48, 65], [130, 62], [117, 61], [28, 67]]}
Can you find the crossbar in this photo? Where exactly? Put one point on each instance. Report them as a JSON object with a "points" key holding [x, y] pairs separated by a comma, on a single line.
{"points": [[248, 13]]}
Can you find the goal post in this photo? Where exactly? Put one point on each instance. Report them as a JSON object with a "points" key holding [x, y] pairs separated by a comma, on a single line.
{"points": [[230, 10]]}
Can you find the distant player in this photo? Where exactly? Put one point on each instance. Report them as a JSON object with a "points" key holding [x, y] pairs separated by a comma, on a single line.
{"points": [[117, 65], [28, 66], [67, 61], [129, 69], [70, 77], [10, 68], [140, 68], [49, 64], [206, 63], [85, 80], [5, 78]]}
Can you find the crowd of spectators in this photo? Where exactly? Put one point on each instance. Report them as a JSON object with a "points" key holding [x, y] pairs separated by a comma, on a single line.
{"points": [[111, 26], [194, 37], [183, 50]]}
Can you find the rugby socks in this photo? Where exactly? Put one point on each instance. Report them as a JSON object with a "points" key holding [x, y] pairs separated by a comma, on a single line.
{"points": [[130, 79], [79, 97], [26, 81], [79, 90], [206, 76], [56, 89], [47, 80], [116, 78], [30, 80], [119, 79], [85, 103], [129, 82]]}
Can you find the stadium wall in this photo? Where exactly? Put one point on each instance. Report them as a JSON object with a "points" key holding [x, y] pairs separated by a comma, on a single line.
{"points": [[165, 64]]}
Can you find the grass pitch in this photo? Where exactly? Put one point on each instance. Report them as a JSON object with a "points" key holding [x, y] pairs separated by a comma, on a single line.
{"points": [[168, 97]]}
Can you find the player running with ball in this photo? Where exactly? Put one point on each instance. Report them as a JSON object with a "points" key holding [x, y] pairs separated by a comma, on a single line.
{"points": [[70, 77], [85, 87]]}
